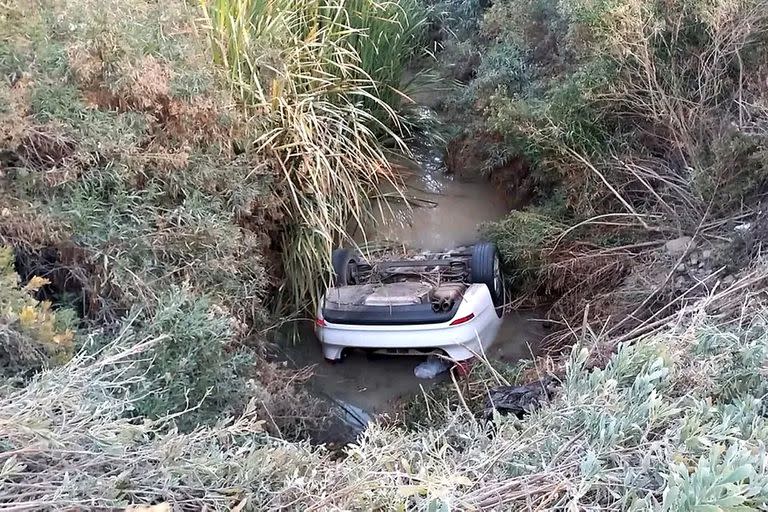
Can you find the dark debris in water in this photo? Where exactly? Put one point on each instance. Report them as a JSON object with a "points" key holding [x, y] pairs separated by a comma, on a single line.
{"points": [[519, 400]]}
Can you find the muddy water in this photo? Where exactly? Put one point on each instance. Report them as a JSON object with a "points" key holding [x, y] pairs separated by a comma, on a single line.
{"points": [[443, 213], [439, 212], [375, 384]]}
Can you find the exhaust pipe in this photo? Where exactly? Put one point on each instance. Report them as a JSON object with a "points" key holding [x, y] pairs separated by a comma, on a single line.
{"points": [[442, 305]]}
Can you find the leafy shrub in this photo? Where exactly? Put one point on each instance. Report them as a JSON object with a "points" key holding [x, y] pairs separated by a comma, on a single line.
{"points": [[618, 80], [192, 364], [562, 115], [521, 237], [122, 137], [502, 68], [32, 334]]}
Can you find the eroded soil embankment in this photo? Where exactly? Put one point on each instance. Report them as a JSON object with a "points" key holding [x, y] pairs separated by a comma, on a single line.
{"points": [[470, 158]]}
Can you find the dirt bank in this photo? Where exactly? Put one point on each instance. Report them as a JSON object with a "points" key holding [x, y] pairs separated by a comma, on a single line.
{"points": [[471, 157]]}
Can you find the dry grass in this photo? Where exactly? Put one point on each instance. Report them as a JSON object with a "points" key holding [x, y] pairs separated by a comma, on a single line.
{"points": [[644, 116], [126, 175]]}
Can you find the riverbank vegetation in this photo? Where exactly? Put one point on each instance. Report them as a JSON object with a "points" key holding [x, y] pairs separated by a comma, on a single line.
{"points": [[322, 78], [673, 421], [164, 166], [632, 124], [184, 171]]}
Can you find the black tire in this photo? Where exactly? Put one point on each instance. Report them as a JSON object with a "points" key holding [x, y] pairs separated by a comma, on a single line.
{"points": [[344, 265], [485, 268]]}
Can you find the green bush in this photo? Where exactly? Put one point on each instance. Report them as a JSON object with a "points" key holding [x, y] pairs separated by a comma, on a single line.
{"points": [[558, 115], [502, 68], [520, 238], [120, 130], [193, 363], [33, 335], [461, 16], [619, 79]]}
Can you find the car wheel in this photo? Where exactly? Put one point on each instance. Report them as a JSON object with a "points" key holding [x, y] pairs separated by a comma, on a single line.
{"points": [[345, 269], [485, 268]]}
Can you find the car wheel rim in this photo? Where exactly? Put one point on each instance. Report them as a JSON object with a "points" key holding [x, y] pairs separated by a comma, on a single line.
{"points": [[352, 272], [497, 284]]}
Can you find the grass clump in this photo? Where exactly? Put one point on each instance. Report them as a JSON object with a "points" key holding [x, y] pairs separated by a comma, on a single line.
{"points": [[321, 77], [521, 237], [193, 366]]}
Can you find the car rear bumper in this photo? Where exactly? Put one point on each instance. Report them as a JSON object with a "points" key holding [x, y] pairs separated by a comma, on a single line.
{"points": [[459, 342]]}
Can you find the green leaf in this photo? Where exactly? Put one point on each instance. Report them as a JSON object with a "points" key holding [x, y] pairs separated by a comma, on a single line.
{"points": [[739, 474], [731, 501]]}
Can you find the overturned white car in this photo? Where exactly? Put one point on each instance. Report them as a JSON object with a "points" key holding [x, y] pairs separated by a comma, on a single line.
{"points": [[448, 303]]}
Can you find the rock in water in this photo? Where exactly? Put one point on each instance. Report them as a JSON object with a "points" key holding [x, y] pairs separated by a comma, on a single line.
{"points": [[519, 400], [678, 246]]}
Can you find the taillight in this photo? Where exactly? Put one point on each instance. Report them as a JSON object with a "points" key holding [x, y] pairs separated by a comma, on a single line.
{"points": [[463, 319], [320, 322]]}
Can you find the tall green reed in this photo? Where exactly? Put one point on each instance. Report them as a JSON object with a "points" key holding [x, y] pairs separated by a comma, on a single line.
{"points": [[319, 78]]}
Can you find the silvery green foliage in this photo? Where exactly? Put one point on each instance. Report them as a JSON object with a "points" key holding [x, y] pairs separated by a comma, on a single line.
{"points": [[661, 425], [673, 422]]}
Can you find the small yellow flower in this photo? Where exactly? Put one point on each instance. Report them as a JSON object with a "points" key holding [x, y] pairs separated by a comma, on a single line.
{"points": [[36, 283], [27, 315]]}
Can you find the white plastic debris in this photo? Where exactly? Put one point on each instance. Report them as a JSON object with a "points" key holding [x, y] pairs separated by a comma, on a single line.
{"points": [[431, 368], [352, 415]]}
